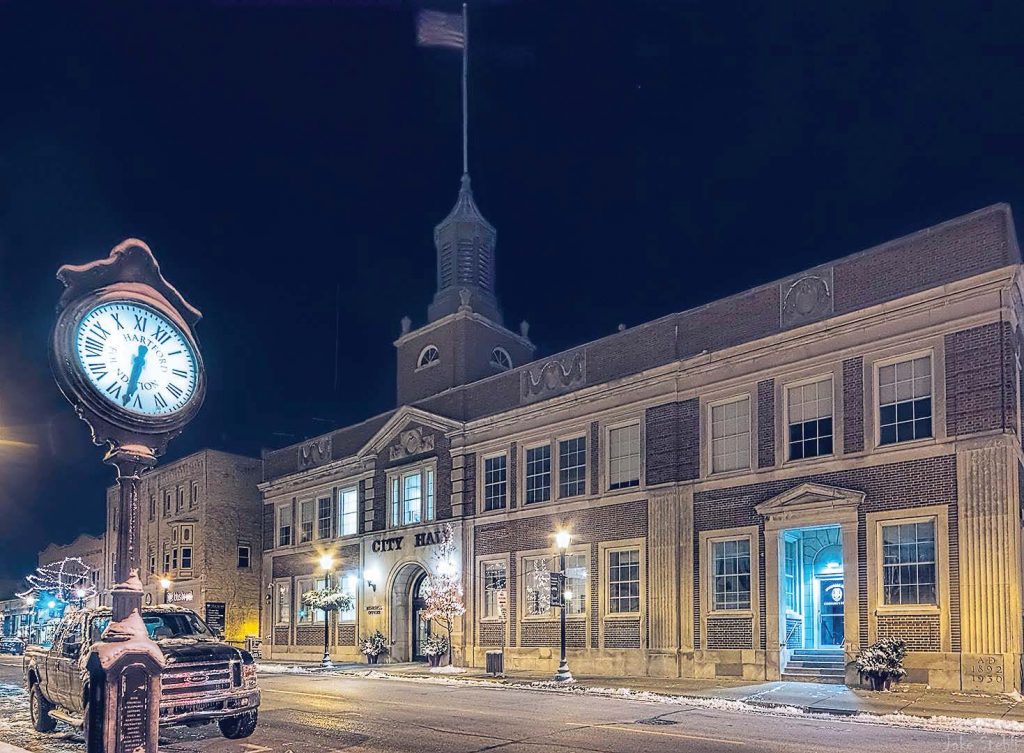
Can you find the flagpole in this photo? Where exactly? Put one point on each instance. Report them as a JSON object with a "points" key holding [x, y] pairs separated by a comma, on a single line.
{"points": [[465, 106]]}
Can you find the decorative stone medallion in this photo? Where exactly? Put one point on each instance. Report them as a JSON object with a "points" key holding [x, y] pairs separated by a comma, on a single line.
{"points": [[554, 377], [806, 299], [412, 442], [315, 452]]}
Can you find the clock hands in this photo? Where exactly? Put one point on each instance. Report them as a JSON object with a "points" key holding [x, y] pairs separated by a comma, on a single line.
{"points": [[138, 361]]}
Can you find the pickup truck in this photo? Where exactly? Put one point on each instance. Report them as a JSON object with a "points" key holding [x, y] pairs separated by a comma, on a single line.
{"points": [[203, 678]]}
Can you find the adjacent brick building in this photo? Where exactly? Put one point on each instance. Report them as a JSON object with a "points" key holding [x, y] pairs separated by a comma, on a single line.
{"points": [[200, 529], [806, 466]]}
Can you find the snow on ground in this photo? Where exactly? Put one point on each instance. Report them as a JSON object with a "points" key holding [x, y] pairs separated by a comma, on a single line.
{"points": [[280, 669], [16, 726], [448, 669]]}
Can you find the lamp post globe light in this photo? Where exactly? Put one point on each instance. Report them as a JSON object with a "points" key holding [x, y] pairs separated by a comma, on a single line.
{"points": [[165, 584], [327, 564], [562, 541]]}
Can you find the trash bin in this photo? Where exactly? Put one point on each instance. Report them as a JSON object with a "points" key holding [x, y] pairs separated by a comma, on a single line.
{"points": [[496, 662]]}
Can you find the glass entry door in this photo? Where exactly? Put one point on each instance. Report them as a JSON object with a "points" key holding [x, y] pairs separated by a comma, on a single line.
{"points": [[420, 627], [831, 598]]}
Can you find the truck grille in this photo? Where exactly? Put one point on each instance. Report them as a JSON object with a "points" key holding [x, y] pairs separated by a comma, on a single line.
{"points": [[196, 679]]}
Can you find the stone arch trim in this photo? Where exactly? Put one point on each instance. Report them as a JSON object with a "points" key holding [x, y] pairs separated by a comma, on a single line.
{"points": [[399, 590]]}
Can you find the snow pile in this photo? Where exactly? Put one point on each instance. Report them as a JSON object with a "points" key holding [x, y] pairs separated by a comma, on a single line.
{"points": [[280, 669], [448, 669], [16, 726]]}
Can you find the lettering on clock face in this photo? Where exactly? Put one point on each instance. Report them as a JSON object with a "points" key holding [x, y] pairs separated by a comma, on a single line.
{"points": [[136, 358]]}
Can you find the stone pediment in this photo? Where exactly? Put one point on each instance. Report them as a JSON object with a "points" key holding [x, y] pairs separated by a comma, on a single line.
{"points": [[810, 499], [409, 432]]}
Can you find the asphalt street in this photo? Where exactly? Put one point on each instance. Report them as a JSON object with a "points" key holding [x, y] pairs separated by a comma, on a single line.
{"points": [[320, 714]]}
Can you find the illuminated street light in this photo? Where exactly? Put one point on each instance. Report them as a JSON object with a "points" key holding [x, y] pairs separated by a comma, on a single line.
{"points": [[165, 584], [562, 541], [327, 564]]}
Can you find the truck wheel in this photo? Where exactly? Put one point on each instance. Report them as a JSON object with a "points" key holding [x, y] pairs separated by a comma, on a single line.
{"points": [[237, 727], [39, 709]]}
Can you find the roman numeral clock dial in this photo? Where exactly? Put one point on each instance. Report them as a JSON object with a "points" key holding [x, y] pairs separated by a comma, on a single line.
{"points": [[134, 357]]}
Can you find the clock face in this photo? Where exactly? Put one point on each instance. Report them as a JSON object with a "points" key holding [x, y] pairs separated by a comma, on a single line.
{"points": [[136, 358]]}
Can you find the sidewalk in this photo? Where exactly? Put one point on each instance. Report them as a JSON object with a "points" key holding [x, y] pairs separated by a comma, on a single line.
{"points": [[912, 700]]}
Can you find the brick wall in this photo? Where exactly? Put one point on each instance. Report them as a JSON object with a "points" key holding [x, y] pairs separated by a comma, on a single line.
{"points": [[730, 632], [766, 423], [853, 405], [921, 632], [673, 442], [595, 455], [622, 634], [980, 379], [547, 633], [469, 484], [513, 475]]}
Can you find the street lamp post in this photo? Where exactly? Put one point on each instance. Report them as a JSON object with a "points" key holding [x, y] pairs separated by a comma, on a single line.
{"points": [[562, 539], [165, 584], [327, 563]]}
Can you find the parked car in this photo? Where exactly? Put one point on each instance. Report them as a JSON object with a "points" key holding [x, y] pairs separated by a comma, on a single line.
{"points": [[203, 679], [12, 645]]}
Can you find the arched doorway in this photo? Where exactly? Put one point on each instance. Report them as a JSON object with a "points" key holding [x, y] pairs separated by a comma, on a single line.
{"points": [[405, 626], [420, 627]]}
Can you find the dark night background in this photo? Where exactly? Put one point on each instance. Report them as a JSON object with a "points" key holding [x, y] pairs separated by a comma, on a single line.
{"points": [[636, 157]]}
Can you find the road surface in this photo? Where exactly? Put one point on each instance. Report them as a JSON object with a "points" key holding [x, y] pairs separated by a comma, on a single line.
{"points": [[322, 714]]}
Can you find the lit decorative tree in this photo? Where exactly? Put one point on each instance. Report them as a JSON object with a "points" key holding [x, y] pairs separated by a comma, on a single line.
{"points": [[442, 591], [69, 580]]}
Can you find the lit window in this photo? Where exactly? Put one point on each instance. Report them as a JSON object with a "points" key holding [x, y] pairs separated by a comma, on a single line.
{"points": [[538, 474], [283, 610], [244, 556], [537, 586], [624, 457], [284, 526], [412, 497], [575, 584], [810, 420], [731, 574], [908, 563], [500, 359], [905, 400], [494, 581], [306, 521], [324, 518], [428, 357], [349, 615], [572, 467], [730, 436], [792, 575], [495, 482], [624, 581], [348, 508]]}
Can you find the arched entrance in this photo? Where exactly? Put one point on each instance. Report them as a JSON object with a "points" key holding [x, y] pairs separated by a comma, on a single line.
{"points": [[407, 631]]}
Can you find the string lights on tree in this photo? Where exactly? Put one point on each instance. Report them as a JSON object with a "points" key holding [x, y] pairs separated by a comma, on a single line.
{"points": [[442, 591], [69, 580]]}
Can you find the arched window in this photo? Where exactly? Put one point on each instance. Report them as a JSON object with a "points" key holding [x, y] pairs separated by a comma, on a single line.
{"points": [[428, 357], [500, 359]]}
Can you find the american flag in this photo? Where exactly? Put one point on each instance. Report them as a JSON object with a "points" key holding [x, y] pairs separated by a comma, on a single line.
{"points": [[437, 29]]}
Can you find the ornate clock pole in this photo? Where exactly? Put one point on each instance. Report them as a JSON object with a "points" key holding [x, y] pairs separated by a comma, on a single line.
{"points": [[124, 354]]}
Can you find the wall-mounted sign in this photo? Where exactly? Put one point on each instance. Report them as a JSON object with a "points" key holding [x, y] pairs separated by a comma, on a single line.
{"points": [[215, 616], [374, 609], [429, 538], [387, 545], [177, 597]]}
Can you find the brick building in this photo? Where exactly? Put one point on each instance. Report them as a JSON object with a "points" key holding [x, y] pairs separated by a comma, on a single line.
{"points": [[806, 466], [200, 529]]}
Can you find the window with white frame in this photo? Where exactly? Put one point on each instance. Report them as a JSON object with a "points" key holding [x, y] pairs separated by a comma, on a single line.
{"points": [[495, 482], [624, 457], [538, 474], [348, 511], [152, 564], [731, 574], [428, 357], [167, 560], [791, 570], [324, 518], [306, 521], [730, 436], [810, 419], [624, 581], [244, 556], [284, 526], [167, 503], [575, 593], [536, 580], [308, 615], [193, 499], [179, 500], [908, 563], [349, 583], [572, 467], [186, 558], [412, 497], [282, 602], [500, 359], [494, 576], [905, 400]]}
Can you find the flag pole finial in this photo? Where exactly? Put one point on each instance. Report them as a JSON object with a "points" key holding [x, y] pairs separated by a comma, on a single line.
{"points": [[465, 98]]}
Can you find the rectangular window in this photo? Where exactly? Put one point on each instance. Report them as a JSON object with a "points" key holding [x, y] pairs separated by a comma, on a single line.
{"points": [[167, 503], [244, 556], [624, 457], [152, 564], [624, 581], [494, 581], [304, 614], [306, 521], [430, 493], [412, 498], [283, 602], [395, 502], [186, 558], [538, 474], [575, 594], [324, 518], [792, 575], [348, 510], [495, 482], [730, 436], [349, 582], [572, 467], [174, 558], [908, 563], [152, 507], [284, 526], [905, 401], [193, 499], [731, 574], [810, 420], [179, 500], [537, 586], [167, 562]]}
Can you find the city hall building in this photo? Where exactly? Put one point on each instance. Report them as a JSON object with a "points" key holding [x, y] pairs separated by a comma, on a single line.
{"points": [[792, 472]]}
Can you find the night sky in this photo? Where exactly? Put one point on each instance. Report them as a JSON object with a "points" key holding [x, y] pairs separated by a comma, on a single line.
{"points": [[637, 158]]}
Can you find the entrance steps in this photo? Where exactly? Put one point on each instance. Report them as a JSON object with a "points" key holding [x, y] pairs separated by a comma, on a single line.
{"points": [[815, 665]]}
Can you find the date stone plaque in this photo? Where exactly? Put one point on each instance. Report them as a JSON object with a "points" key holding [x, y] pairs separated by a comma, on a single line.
{"points": [[983, 672]]}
